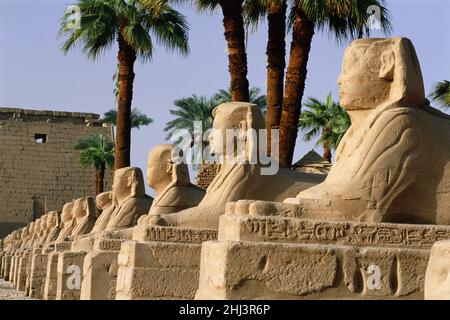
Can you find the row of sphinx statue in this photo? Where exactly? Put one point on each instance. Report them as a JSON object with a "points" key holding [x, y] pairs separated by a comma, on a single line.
{"points": [[392, 166]]}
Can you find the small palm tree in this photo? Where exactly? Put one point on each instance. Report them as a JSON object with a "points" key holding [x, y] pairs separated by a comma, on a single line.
{"points": [[138, 119], [327, 119], [96, 151], [131, 24], [441, 94]]}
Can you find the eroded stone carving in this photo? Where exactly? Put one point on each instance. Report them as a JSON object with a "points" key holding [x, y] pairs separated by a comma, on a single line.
{"points": [[393, 163], [171, 181]]}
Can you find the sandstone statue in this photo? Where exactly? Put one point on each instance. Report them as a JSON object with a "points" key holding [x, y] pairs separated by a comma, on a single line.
{"points": [[171, 182], [104, 204], [393, 164], [83, 212], [67, 222]]}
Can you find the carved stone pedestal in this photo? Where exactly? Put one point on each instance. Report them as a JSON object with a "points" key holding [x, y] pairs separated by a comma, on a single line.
{"points": [[50, 284], [22, 270], [6, 266], [37, 273], [69, 272], [259, 257], [100, 270], [161, 263]]}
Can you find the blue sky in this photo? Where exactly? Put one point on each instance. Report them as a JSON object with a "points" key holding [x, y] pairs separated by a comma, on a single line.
{"points": [[35, 74]]}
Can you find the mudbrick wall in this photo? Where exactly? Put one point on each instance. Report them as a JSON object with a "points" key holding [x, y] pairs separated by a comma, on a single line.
{"points": [[39, 169]]}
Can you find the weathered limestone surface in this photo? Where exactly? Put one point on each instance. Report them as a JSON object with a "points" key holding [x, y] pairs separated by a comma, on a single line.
{"points": [[161, 263], [252, 270], [53, 180], [437, 279], [275, 257], [68, 275]]}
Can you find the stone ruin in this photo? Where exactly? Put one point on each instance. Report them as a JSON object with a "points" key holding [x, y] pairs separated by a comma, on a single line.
{"points": [[377, 227]]}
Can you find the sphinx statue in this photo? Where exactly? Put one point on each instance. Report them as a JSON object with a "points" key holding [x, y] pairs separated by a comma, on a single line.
{"points": [[238, 178], [26, 232], [121, 208], [83, 212], [104, 204], [171, 181], [53, 222], [67, 223], [393, 164], [129, 199], [38, 231]]}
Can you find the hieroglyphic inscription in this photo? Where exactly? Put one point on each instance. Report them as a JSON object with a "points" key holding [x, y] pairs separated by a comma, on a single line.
{"points": [[108, 244], [171, 234], [352, 233]]}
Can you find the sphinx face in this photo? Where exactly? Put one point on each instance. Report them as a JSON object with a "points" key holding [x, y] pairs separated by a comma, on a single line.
{"points": [[103, 200], [51, 220], [360, 86], [66, 214], [121, 186], [159, 167], [79, 208]]}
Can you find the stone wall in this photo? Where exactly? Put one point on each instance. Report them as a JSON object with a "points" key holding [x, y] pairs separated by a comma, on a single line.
{"points": [[39, 169], [206, 175]]}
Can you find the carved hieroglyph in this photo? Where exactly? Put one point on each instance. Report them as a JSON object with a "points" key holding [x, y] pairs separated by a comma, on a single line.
{"points": [[393, 163], [238, 178]]}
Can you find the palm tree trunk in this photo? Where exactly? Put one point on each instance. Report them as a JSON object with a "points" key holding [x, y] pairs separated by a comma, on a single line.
{"points": [[99, 178], [326, 146], [303, 32], [233, 23], [276, 57], [126, 58]]}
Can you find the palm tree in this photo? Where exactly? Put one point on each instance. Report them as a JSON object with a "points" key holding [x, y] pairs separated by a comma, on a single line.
{"points": [[103, 22], [96, 151], [326, 118], [441, 93], [188, 112]]}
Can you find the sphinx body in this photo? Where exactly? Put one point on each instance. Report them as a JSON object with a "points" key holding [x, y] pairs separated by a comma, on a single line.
{"points": [[393, 164]]}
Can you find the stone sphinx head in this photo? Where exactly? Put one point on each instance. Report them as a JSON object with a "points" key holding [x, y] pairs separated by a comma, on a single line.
{"points": [[236, 119], [378, 71], [52, 220], [24, 233], [31, 228], [103, 200], [66, 214], [83, 207], [162, 170], [128, 183]]}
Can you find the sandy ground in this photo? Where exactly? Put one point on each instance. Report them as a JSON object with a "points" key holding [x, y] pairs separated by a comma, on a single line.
{"points": [[8, 293]]}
